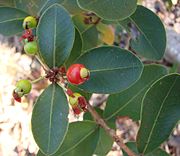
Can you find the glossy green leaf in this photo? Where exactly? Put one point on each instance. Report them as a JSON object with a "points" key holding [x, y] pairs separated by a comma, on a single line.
{"points": [[35, 7], [81, 140], [55, 35], [157, 152], [111, 9], [11, 20], [150, 41], [76, 50], [161, 112], [111, 69], [50, 119], [129, 102]]}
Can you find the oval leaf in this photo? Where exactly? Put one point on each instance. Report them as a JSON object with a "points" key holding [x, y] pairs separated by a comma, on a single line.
{"points": [[56, 36], [89, 32], [48, 3], [50, 119], [157, 152], [129, 102], [150, 41], [81, 140], [104, 144], [111, 69], [11, 20], [76, 50], [161, 112], [35, 7], [110, 10], [90, 38]]}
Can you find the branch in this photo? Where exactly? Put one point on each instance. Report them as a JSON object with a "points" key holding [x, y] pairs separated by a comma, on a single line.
{"points": [[109, 131]]}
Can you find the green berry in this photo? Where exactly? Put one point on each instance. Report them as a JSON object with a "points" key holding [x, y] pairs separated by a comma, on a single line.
{"points": [[23, 87], [74, 99], [31, 48], [29, 22]]}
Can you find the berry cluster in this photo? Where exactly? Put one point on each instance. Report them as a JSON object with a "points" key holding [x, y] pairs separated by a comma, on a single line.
{"points": [[30, 43], [76, 74]]}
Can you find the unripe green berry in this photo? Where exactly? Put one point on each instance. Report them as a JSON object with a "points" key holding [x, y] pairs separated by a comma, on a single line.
{"points": [[74, 100], [29, 22], [23, 86], [31, 48]]}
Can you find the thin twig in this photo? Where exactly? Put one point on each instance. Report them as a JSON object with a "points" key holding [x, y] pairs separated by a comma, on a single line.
{"points": [[38, 79], [109, 131]]}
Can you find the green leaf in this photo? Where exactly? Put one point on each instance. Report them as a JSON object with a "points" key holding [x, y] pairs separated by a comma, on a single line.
{"points": [[81, 140], [72, 7], [110, 10], [55, 35], [161, 112], [11, 20], [79, 23], [88, 116], [9, 3], [35, 7], [104, 144], [151, 40], [89, 32], [111, 69], [76, 50], [157, 152], [50, 119], [90, 38], [129, 102], [174, 68], [49, 3]]}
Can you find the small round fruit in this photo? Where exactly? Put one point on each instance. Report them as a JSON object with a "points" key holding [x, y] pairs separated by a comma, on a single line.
{"points": [[31, 48], [77, 74], [73, 100], [29, 22], [76, 110], [23, 86]]}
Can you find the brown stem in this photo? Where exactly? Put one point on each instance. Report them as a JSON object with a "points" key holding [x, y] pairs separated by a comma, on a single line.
{"points": [[109, 131]]}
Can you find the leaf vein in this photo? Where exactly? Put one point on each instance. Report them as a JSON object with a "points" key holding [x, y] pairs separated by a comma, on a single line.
{"points": [[50, 116], [159, 112]]}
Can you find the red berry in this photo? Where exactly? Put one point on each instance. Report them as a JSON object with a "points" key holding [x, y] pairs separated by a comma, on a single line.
{"points": [[77, 74], [76, 110], [82, 103]]}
